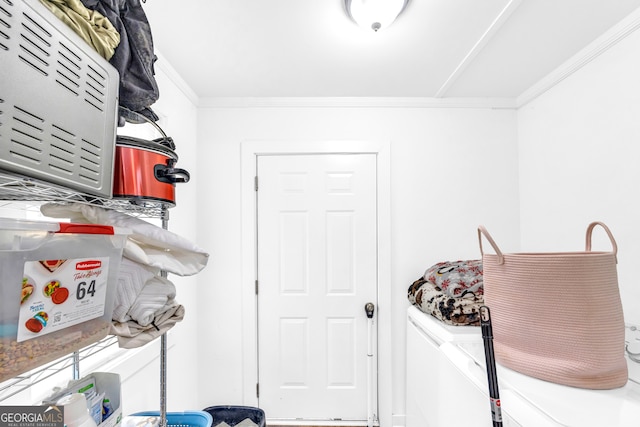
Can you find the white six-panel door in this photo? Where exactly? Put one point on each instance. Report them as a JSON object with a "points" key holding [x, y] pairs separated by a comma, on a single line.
{"points": [[317, 264]]}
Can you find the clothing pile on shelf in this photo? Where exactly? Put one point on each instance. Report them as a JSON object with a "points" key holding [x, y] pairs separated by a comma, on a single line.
{"points": [[450, 291], [145, 306], [120, 32]]}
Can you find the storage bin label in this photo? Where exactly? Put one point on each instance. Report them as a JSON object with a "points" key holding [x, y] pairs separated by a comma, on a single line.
{"points": [[60, 293]]}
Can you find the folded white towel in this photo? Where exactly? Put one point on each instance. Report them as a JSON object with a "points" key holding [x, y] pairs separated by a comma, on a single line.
{"points": [[157, 296], [147, 244], [132, 335], [132, 278]]}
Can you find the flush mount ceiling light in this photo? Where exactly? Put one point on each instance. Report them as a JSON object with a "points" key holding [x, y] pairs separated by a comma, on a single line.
{"points": [[374, 14]]}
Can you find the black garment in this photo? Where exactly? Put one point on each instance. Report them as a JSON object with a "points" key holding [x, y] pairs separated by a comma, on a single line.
{"points": [[134, 57]]}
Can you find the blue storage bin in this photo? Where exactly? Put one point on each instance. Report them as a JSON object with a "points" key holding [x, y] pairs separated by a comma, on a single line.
{"points": [[233, 415], [182, 419]]}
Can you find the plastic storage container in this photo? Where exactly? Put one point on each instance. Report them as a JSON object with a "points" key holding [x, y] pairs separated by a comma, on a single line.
{"points": [[233, 415], [181, 419], [57, 283]]}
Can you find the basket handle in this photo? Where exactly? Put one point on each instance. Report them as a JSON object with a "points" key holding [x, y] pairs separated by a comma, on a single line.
{"points": [[606, 229], [483, 231]]}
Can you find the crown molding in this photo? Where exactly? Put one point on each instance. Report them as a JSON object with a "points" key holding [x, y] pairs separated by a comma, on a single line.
{"points": [[358, 102], [617, 33]]}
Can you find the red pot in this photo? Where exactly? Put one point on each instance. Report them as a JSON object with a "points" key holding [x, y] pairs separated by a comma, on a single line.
{"points": [[145, 170]]}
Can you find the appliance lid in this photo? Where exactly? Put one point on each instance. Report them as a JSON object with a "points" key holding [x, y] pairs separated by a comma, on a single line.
{"points": [[567, 406], [130, 141], [440, 330]]}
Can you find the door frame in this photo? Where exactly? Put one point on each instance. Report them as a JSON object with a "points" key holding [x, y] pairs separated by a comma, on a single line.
{"points": [[248, 162]]}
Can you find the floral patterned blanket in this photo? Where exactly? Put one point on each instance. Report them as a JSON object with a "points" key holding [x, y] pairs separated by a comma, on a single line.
{"points": [[450, 291]]}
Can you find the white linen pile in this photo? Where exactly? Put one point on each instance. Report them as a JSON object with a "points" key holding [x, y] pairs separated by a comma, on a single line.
{"points": [[145, 302]]}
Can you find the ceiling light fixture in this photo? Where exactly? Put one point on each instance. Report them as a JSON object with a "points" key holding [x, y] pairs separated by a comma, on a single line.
{"points": [[374, 14]]}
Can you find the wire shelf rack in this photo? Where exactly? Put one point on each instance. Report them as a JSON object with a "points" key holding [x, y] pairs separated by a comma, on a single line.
{"points": [[22, 382], [20, 188], [27, 193]]}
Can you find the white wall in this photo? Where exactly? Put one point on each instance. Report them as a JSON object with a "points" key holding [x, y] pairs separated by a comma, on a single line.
{"points": [[451, 169], [579, 153]]}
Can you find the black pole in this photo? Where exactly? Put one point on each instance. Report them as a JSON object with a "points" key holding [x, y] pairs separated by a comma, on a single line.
{"points": [[492, 375]]}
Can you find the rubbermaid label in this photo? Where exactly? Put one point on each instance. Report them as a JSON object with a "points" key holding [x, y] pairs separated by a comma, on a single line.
{"points": [[88, 265]]}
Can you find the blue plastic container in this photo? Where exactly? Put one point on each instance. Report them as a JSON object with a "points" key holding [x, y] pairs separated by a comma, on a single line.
{"points": [[233, 415], [182, 419]]}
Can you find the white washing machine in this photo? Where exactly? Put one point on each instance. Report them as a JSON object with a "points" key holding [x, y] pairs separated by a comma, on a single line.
{"points": [[447, 385]]}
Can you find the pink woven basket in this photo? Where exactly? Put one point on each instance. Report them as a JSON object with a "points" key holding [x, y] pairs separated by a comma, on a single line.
{"points": [[557, 316]]}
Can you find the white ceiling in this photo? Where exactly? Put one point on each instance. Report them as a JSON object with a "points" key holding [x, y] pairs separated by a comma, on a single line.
{"points": [[436, 48]]}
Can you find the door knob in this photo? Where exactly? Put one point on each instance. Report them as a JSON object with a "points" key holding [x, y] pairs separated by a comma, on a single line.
{"points": [[369, 308]]}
